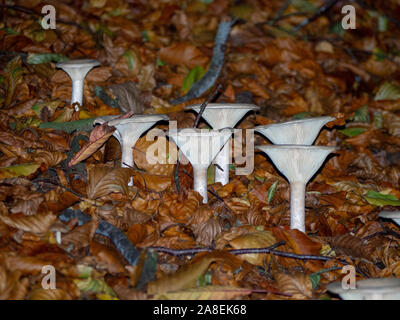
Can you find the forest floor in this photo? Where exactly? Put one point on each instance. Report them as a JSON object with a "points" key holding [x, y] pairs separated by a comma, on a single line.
{"points": [[293, 59]]}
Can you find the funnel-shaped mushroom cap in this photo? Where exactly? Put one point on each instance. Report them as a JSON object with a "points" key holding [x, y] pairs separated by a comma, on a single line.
{"points": [[298, 163], [103, 119], [223, 115], [303, 131], [200, 146], [394, 215], [369, 289], [77, 69]]}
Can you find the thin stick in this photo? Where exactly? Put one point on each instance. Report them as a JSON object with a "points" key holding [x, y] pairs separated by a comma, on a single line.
{"points": [[203, 106]]}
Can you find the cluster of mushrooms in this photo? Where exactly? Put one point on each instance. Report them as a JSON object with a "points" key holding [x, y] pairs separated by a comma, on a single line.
{"points": [[292, 153]]}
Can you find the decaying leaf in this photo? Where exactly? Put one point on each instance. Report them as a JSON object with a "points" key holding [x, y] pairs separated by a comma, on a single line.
{"points": [[105, 180]]}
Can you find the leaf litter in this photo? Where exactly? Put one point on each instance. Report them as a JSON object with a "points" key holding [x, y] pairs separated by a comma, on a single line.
{"points": [[65, 201]]}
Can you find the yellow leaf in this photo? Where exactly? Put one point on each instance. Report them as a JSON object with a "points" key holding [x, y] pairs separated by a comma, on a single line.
{"points": [[206, 293], [18, 170], [258, 239]]}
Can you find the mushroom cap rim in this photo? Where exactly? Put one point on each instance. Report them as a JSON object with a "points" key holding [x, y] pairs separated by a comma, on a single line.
{"points": [[372, 285], [139, 118], [287, 123], [78, 63], [229, 106], [389, 214], [191, 132], [295, 146]]}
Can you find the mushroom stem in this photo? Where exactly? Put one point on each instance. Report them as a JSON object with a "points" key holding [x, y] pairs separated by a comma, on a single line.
{"points": [[200, 181], [297, 205], [77, 92], [223, 161]]}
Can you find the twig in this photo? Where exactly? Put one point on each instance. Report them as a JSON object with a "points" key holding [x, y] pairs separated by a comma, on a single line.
{"points": [[193, 251], [203, 106], [321, 11], [217, 61], [280, 11]]}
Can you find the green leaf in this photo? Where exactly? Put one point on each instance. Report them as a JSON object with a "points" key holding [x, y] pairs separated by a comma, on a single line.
{"points": [[38, 58], [211, 174], [378, 119], [302, 115], [380, 199], [207, 1], [261, 179], [382, 23], [338, 29], [242, 11], [380, 55], [94, 286], [85, 125], [18, 170], [315, 279], [131, 57], [388, 91], [352, 132], [145, 36], [10, 31], [272, 191], [304, 5], [160, 63], [362, 114], [194, 75], [23, 123]]}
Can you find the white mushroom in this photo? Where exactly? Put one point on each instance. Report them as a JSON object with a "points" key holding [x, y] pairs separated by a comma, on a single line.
{"points": [[298, 163], [129, 130], [394, 215], [369, 289], [219, 116], [200, 147], [303, 131], [77, 70]]}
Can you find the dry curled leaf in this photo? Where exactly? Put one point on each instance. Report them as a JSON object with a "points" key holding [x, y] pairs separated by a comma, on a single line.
{"points": [[38, 224], [257, 239], [299, 285], [105, 180], [186, 277]]}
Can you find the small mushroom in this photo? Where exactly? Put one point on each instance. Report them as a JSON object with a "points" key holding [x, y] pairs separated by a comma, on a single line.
{"points": [[129, 131], [77, 70], [303, 131], [200, 147], [298, 163], [369, 289], [394, 215], [219, 116]]}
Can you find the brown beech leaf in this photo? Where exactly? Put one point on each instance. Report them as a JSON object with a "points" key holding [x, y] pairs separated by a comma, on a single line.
{"points": [[44, 294], [206, 293], [257, 239], [104, 180], [185, 278], [38, 224], [79, 237], [28, 207], [8, 281], [183, 53], [98, 137], [106, 257], [301, 243], [299, 285], [153, 182], [352, 246], [50, 159]]}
